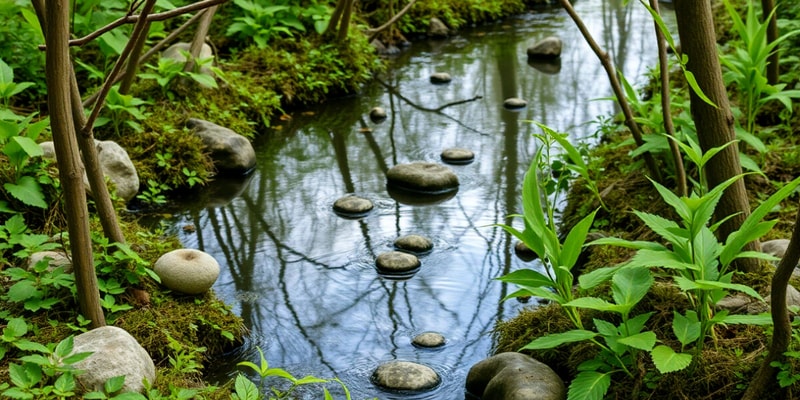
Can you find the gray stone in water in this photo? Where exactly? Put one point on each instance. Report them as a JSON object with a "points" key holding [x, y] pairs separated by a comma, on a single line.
{"points": [[115, 353], [424, 177], [377, 114], [230, 151], [429, 339], [456, 155], [397, 262], [547, 48], [414, 243], [514, 103], [440, 77], [352, 205], [550, 67], [437, 29], [57, 258], [187, 271], [514, 376], [405, 375], [524, 252]]}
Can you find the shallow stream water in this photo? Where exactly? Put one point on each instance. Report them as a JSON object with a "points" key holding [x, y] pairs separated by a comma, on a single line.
{"points": [[303, 279]]}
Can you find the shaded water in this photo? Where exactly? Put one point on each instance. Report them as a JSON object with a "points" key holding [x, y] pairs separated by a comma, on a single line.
{"points": [[303, 278]]}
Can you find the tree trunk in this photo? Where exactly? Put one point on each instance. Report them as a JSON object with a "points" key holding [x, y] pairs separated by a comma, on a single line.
{"points": [[773, 66], [200, 37], [70, 169], [714, 124]]}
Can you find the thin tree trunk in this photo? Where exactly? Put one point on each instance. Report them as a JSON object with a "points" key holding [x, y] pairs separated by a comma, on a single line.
{"points": [[782, 327], [773, 66], [70, 169], [630, 122], [335, 17], [88, 151], [714, 124], [200, 37], [344, 27], [139, 38], [666, 109]]}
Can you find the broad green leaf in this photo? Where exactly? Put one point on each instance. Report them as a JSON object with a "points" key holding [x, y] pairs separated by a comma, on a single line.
{"points": [[22, 290], [309, 379], [642, 341], [65, 383], [594, 303], [692, 81], [527, 277], [757, 319], [16, 328], [28, 145], [628, 244], [64, 347], [674, 201], [662, 226], [114, 384], [575, 241], [27, 345], [738, 239], [667, 360], [686, 328], [589, 385], [6, 73], [712, 285], [557, 339], [596, 277], [28, 191], [630, 285], [245, 389]]}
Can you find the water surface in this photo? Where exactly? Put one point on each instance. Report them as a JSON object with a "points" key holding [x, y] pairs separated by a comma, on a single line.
{"points": [[303, 278]]}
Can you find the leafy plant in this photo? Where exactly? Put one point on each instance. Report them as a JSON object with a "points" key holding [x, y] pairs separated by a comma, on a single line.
{"points": [[47, 375], [18, 140], [125, 109], [746, 65], [541, 235], [9, 88], [261, 22], [245, 389], [192, 178], [154, 193], [168, 70]]}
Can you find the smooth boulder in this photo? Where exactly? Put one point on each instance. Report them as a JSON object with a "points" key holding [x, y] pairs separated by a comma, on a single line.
{"points": [[424, 177], [55, 259], [114, 352], [178, 52], [397, 263], [405, 375], [187, 271], [352, 206], [458, 156], [414, 243], [230, 151], [428, 339], [440, 77], [514, 376], [437, 29], [548, 48]]}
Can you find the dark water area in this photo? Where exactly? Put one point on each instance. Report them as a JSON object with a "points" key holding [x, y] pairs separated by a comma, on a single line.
{"points": [[304, 279]]}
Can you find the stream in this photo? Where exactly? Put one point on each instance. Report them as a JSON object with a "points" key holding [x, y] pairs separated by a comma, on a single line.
{"points": [[304, 279]]}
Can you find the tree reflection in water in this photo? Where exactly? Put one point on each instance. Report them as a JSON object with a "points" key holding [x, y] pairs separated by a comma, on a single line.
{"points": [[303, 278]]}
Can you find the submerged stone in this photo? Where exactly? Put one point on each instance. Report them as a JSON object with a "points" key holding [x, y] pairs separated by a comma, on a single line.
{"points": [[458, 156], [429, 339], [352, 206], [414, 243], [397, 263], [547, 48], [441, 77], [524, 252], [514, 103], [377, 114], [405, 375], [424, 177]]}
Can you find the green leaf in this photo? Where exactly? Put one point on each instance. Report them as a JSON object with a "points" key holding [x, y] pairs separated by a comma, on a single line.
{"points": [[309, 379], [27, 345], [758, 319], [575, 241], [596, 277], [527, 277], [16, 328], [692, 81], [589, 385], [686, 328], [667, 360], [114, 384], [28, 191], [630, 285], [557, 339], [64, 347], [642, 341], [593, 303], [22, 290], [245, 389]]}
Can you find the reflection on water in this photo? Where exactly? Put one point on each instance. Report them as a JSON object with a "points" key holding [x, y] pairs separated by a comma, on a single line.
{"points": [[304, 279]]}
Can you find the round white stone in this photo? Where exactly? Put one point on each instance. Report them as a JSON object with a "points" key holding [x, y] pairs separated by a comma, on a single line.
{"points": [[187, 271]]}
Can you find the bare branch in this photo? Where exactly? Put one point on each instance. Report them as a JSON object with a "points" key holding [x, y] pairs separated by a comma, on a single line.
{"points": [[373, 32]]}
